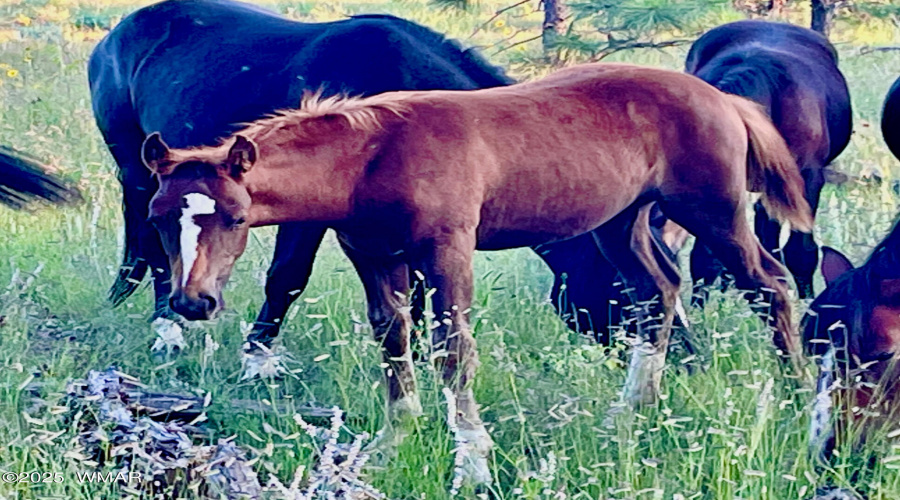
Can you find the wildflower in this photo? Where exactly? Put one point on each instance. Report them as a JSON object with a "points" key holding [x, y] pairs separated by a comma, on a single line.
{"points": [[499, 23], [23, 20], [12, 72]]}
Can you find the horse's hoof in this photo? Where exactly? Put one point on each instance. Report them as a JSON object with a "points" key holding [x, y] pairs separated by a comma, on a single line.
{"points": [[836, 494], [642, 387], [169, 337], [615, 411], [475, 446], [260, 361], [383, 448], [403, 417]]}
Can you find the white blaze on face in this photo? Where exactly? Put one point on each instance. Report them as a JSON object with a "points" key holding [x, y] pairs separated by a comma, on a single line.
{"points": [[197, 204], [820, 420]]}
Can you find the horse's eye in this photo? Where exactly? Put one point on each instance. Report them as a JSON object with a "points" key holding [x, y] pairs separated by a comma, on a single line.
{"points": [[236, 223]]}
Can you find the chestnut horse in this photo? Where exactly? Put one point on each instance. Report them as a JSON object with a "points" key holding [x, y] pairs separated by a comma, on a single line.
{"points": [[853, 327], [267, 64], [793, 73], [420, 180]]}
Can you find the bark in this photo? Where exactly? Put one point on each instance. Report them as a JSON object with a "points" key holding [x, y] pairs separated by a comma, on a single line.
{"points": [[554, 24], [822, 15]]}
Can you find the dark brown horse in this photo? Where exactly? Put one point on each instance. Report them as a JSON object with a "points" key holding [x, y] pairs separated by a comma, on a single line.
{"points": [[793, 73], [420, 180], [853, 327]]}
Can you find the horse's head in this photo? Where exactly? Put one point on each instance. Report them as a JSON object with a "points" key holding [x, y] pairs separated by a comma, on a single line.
{"points": [[854, 329], [201, 211]]}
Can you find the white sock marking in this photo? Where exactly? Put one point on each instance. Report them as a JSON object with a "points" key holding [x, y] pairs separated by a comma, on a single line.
{"points": [[820, 421], [197, 204], [682, 314], [644, 374]]}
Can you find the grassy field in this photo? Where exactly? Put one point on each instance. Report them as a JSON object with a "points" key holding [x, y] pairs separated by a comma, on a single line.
{"points": [[727, 432]]}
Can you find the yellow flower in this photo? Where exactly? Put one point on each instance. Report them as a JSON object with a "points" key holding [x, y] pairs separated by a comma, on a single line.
{"points": [[23, 20], [499, 23], [12, 73]]}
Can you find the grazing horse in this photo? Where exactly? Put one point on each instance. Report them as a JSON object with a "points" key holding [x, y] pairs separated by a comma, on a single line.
{"points": [[194, 70], [853, 327], [24, 179], [420, 180], [793, 73]]}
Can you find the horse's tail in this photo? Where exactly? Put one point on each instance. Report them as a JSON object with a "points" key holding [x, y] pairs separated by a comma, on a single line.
{"points": [[24, 179], [771, 169]]}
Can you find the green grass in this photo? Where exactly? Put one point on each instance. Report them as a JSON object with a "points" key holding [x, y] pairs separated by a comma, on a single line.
{"points": [[545, 391]]}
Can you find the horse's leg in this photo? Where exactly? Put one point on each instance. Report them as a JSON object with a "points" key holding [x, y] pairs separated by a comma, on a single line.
{"points": [[387, 293], [723, 226], [705, 270], [143, 247], [801, 253], [292, 263], [628, 243], [448, 270], [584, 292]]}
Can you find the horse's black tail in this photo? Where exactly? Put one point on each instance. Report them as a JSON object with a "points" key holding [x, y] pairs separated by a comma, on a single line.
{"points": [[24, 179]]}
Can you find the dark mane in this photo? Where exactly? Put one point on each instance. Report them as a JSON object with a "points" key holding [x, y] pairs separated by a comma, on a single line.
{"points": [[755, 74], [475, 66]]}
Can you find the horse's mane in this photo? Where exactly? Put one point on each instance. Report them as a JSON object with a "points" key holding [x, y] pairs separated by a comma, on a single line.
{"points": [[750, 75], [362, 113]]}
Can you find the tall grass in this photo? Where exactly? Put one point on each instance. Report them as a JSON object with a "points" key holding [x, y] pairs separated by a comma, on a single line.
{"points": [[735, 429]]}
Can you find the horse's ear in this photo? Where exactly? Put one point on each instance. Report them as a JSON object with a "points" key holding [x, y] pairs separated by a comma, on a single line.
{"points": [[155, 154], [834, 264], [241, 156]]}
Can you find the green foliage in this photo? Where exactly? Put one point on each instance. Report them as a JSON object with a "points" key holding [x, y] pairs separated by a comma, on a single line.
{"points": [[880, 10], [601, 27], [722, 433]]}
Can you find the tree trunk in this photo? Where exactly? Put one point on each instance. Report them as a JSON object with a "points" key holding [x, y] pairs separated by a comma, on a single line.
{"points": [[554, 25], [822, 15]]}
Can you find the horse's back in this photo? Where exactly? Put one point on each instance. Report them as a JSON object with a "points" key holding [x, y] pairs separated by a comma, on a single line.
{"points": [[890, 119], [194, 69], [777, 36]]}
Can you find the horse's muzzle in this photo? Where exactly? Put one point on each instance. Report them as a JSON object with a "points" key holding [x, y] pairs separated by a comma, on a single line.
{"points": [[198, 308]]}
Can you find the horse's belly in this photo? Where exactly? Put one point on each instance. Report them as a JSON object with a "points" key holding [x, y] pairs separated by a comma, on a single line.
{"points": [[530, 230]]}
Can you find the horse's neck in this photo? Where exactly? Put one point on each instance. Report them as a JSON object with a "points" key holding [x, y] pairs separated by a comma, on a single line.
{"points": [[287, 186]]}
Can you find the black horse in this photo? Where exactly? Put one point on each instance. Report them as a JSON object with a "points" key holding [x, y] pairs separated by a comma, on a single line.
{"points": [[194, 70], [792, 72], [890, 119], [23, 180], [853, 325]]}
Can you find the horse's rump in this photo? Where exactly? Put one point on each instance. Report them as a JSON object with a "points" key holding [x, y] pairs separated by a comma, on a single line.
{"points": [[890, 119]]}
